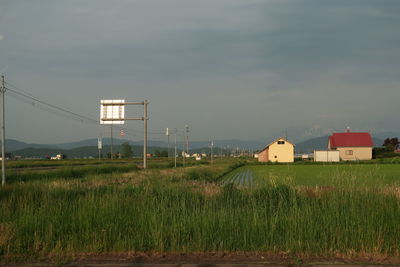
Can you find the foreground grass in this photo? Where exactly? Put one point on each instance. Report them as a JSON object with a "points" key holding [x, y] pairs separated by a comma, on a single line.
{"points": [[184, 210]]}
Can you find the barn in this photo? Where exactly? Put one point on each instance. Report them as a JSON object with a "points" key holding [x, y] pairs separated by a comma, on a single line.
{"points": [[280, 150], [352, 146]]}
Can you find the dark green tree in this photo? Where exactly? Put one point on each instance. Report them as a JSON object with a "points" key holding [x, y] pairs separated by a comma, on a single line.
{"points": [[164, 154], [126, 150], [391, 144], [161, 153]]}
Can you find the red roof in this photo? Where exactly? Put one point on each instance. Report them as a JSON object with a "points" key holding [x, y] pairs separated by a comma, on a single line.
{"points": [[351, 140]]}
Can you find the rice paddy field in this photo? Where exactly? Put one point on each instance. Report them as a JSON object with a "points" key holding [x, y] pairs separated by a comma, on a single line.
{"points": [[342, 210], [373, 175]]}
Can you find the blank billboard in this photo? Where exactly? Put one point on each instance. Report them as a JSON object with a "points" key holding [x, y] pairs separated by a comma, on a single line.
{"points": [[111, 112]]}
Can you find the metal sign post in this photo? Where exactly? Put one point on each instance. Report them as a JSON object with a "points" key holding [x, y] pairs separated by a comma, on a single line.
{"points": [[167, 134], [99, 146], [113, 112], [175, 148], [111, 143]]}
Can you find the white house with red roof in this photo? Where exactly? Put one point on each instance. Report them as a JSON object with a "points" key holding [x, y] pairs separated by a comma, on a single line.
{"points": [[352, 146]]}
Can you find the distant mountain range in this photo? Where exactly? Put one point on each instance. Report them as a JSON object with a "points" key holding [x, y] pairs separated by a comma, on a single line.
{"points": [[88, 147], [79, 152], [14, 145]]}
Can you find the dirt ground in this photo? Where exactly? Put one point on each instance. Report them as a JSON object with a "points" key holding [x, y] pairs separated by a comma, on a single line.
{"points": [[205, 259]]}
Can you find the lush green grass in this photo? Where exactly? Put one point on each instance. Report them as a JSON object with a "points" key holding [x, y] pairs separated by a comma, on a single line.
{"points": [[185, 210], [66, 172], [45, 170], [175, 218], [329, 174], [16, 164]]}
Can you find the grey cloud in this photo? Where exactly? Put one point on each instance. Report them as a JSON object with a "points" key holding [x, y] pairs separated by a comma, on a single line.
{"points": [[297, 56]]}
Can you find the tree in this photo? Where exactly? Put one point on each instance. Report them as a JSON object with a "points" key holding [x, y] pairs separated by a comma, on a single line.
{"points": [[161, 153], [387, 150], [391, 144], [164, 154], [126, 150]]}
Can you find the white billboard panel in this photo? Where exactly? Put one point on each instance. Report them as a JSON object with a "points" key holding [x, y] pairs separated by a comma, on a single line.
{"points": [[111, 112]]}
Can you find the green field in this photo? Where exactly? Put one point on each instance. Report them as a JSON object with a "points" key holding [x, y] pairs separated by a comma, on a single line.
{"points": [[318, 175], [318, 210]]}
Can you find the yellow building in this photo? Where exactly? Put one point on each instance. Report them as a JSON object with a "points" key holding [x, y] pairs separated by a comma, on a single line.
{"points": [[281, 150]]}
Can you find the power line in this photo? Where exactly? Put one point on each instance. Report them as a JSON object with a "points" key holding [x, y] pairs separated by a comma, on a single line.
{"points": [[53, 106], [59, 113], [49, 107], [42, 107]]}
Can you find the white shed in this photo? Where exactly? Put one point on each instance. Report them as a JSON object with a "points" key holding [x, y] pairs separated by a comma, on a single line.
{"points": [[326, 155]]}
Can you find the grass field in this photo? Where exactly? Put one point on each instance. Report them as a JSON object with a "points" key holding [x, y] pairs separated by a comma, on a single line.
{"points": [[275, 208], [317, 175]]}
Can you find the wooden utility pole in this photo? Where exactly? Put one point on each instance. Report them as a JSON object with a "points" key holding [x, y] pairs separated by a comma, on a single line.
{"points": [[212, 145], [3, 133], [145, 103], [175, 148]]}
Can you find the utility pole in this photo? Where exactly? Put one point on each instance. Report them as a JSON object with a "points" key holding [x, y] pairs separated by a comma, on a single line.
{"points": [[167, 134], [3, 133], [175, 148], [184, 152], [212, 145], [145, 103], [187, 138]]}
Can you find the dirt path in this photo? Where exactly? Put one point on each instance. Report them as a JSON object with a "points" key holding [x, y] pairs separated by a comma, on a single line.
{"points": [[220, 259]]}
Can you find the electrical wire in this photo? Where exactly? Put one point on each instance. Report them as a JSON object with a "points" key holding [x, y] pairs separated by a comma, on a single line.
{"points": [[53, 106], [20, 94]]}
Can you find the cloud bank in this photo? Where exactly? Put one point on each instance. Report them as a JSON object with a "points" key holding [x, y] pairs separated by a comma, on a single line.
{"points": [[230, 69]]}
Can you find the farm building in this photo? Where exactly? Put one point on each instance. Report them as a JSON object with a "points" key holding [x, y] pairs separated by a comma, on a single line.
{"points": [[352, 146], [281, 150]]}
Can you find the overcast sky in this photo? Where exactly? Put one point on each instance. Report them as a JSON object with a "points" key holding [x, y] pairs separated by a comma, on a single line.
{"points": [[246, 69]]}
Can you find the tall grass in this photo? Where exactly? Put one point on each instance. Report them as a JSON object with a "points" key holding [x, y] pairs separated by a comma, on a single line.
{"points": [[168, 215], [66, 172]]}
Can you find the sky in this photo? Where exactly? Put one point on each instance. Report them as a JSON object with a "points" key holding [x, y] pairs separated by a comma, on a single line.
{"points": [[229, 69]]}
